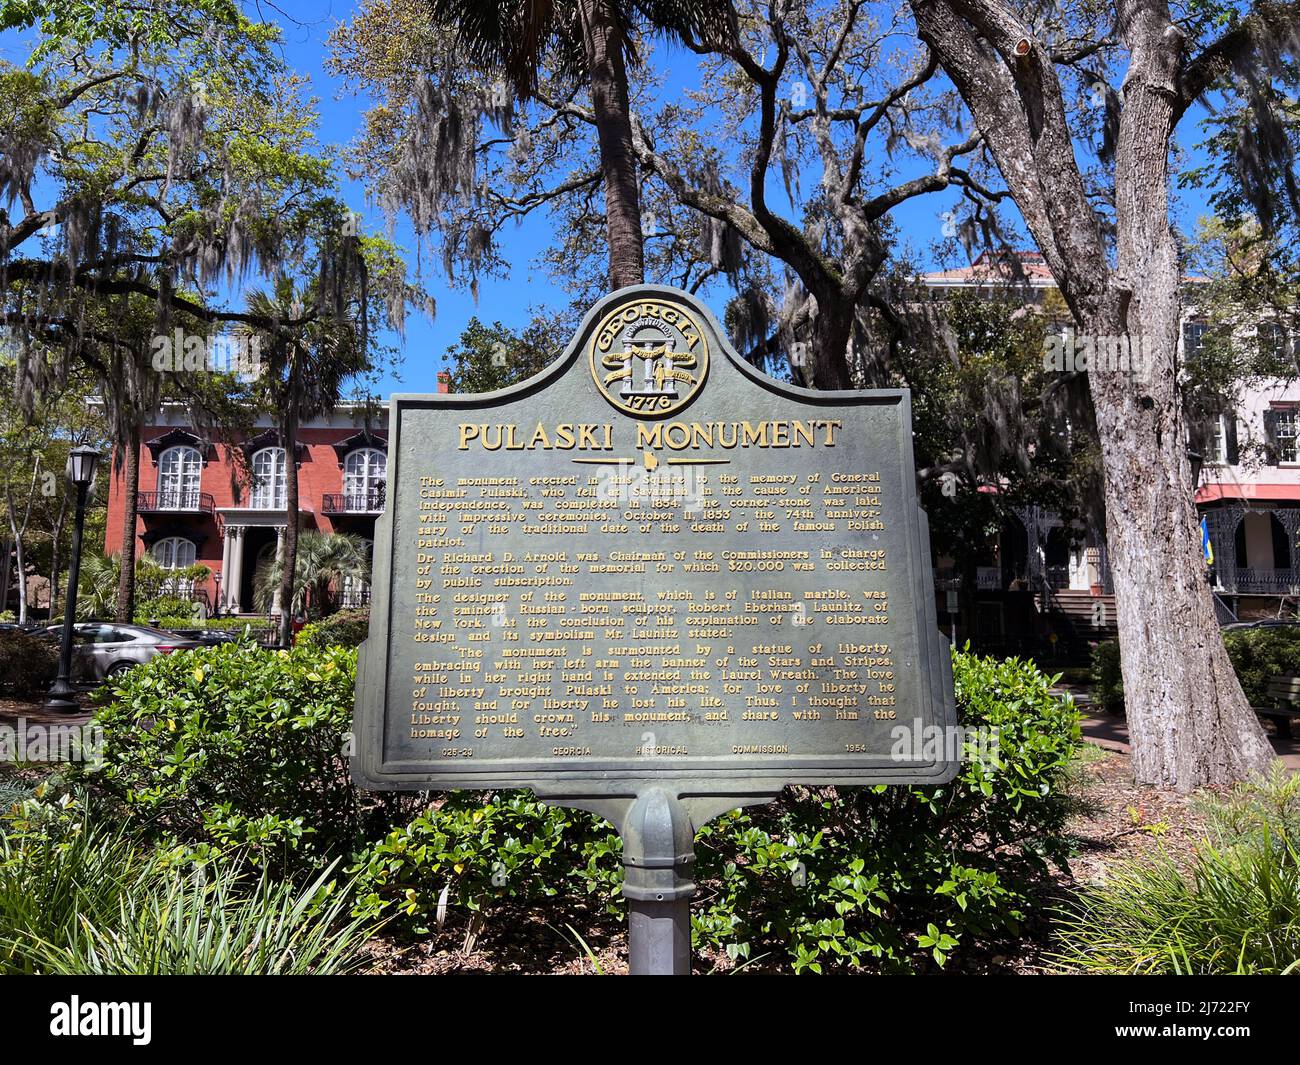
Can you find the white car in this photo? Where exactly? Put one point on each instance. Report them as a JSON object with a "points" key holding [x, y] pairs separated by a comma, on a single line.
{"points": [[102, 649]]}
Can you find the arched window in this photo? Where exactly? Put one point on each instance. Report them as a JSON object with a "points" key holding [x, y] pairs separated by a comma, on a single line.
{"points": [[364, 476], [175, 552], [179, 469], [268, 479]]}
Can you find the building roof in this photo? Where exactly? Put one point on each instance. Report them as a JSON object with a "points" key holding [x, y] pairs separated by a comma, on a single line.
{"points": [[1024, 267], [1211, 493]]}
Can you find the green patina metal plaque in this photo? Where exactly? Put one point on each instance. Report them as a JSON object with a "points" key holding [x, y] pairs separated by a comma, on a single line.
{"points": [[652, 565]]}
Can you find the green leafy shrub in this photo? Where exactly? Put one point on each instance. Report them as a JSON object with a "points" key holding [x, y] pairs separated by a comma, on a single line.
{"points": [[490, 853], [1259, 655], [80, 898], [1107, 679], [169, 607], [27, 664], [897, 878], [1236, 910], [348, 628], [1262, 806], [890, 878], [236, 747]]}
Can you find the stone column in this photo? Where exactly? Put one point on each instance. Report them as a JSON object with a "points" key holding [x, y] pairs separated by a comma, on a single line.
{"points": [[233, 575], [279, 561], [220, 605]]}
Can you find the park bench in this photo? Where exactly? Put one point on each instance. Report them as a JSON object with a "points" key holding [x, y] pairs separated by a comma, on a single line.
{"points": [[1284, 703]]}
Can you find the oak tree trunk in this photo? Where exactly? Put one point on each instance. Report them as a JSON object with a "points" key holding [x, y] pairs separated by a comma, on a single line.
{"points": [[609, 101], [56, 554], [130, 504], [20, 558], [1189, 722]]}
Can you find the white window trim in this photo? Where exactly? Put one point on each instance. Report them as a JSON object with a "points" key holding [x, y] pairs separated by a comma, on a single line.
{"points": [[270, 493]]}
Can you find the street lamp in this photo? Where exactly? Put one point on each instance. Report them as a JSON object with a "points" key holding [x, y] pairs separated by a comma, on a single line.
{"points": [[81, 473]]}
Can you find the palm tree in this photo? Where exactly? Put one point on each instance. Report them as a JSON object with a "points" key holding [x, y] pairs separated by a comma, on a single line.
{"points": [[590, 40], [97, 586], [324, 563], [307, 367]]}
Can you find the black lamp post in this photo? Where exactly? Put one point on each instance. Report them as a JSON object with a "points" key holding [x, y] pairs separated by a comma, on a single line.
{"points": [[81, 473]]}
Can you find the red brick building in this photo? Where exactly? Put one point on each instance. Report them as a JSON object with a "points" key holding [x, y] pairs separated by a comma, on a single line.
{"points": [[200, 501]]}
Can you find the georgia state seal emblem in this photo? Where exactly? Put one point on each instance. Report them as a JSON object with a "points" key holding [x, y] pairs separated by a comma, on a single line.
{"points": [[649, 357]]}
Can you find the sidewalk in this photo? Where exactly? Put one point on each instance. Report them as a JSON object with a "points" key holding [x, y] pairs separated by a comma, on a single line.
{"points": [[1110, 731]]}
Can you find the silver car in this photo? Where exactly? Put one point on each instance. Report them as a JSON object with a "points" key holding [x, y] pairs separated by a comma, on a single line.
{"points": [[103, 649]]}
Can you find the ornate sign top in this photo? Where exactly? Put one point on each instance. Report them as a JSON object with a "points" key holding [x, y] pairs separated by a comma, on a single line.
{"points": [[649, 357]]}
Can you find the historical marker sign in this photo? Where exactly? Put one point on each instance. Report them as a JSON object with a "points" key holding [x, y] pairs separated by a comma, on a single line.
{"points": [[651, 565]]}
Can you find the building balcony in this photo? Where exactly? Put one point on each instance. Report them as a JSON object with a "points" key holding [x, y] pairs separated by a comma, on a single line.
{"points": [[367, 501], [175, 501], [1251, 581]]}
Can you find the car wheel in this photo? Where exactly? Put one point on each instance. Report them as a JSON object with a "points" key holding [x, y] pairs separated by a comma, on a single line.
{"points": [[118, 668]]}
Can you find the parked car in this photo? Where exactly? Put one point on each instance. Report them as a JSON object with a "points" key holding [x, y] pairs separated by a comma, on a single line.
{"points": [[210, 637], [103, 649], [13, 626], [1265, 623]]}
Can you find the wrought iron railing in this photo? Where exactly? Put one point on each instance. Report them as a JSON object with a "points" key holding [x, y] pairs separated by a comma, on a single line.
{"points": [[181, 500], [987, 578], [1267, 581], [355, 501]]}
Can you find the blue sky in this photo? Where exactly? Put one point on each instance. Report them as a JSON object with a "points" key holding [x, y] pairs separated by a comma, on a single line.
{"points": [[509, 300], [512, 299]]}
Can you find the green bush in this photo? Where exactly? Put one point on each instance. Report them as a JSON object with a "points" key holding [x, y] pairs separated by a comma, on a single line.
{"points": [[236, 747], [169, 607], [490, 853], [896, 878], [27, 664], [1235, 910], [1258, 655], [1107, 680], [890, 878], [348, 628], [79, 898]]}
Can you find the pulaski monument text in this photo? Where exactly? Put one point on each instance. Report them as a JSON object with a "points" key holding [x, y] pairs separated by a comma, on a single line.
{"points": [[652, 565]]}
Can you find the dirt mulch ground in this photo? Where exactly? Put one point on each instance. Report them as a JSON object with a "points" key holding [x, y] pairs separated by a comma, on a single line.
{"points": [[34, 713]]}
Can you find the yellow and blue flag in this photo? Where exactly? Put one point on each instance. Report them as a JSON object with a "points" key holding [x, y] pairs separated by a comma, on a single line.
{"points": [[1207, 549]]}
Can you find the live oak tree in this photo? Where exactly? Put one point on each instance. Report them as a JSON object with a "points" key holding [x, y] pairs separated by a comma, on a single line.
{"points": [[817, 101], [34, 446], [589, 43], [1108, 239], [833, 91], [152, 161], [486, 358]]}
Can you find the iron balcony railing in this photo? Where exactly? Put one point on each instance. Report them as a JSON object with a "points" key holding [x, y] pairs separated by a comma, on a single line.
{"points": [[1253, 581], [355, 501], [174, 500]]}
